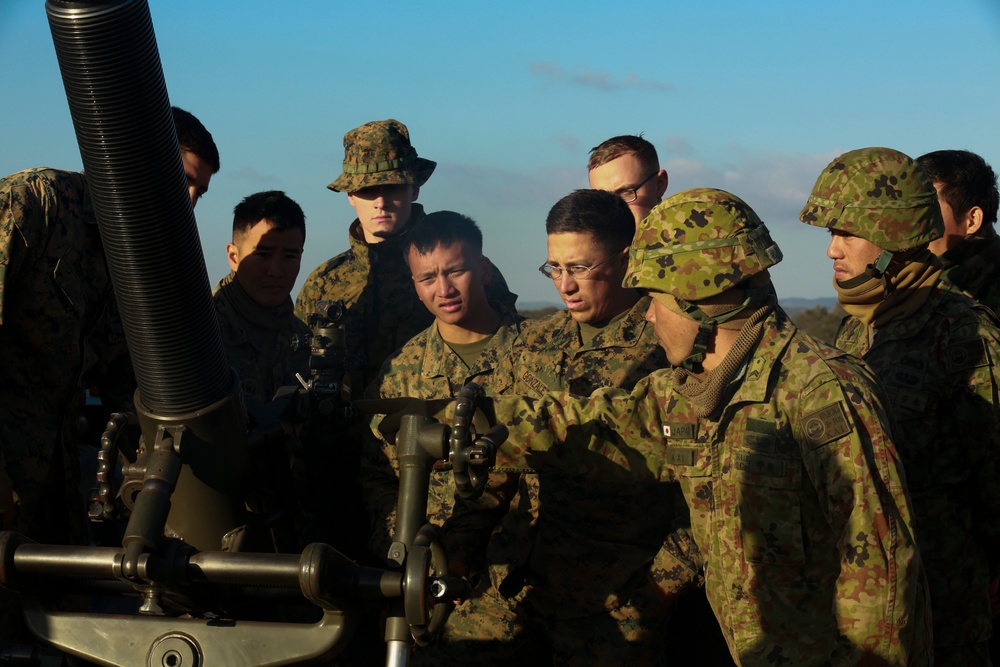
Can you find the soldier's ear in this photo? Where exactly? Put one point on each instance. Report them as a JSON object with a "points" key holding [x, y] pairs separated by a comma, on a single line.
{"points": [[233, 254], [973, 220], [662, 180], [416, 192]]}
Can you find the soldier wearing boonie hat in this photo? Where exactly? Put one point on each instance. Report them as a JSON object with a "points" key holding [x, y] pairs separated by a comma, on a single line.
{"points": [[381, 174], [780, 444], [380, 153], [935, 354]]}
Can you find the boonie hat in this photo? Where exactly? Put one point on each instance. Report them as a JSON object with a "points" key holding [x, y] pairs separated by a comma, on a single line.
{"points": [[380, 153]]}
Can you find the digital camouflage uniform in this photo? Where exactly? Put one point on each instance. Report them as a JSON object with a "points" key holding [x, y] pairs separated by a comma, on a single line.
{"points": [[426, 367], [373, 280], [382, 310], [937, 365], [54, 291], [569, 563], [973, 268], [56, 308], [796, 493], [381, 313], [258, 340]]}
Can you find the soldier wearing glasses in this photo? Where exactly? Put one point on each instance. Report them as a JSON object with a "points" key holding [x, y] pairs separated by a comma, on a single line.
{"points": [[628, 166], [567, 576]]}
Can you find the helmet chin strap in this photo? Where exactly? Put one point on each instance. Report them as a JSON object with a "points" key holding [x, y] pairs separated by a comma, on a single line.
{"points": [[875, 270], [707, 325]]}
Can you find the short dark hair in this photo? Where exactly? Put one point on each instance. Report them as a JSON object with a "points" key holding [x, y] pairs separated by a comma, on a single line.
{"points": [[603, 214], [615, 147], [966, 179], [443, 228], [274, 206], [194, 138]]}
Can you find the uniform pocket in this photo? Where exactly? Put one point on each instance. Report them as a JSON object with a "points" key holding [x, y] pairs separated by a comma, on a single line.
{"points": [[768, 492]]}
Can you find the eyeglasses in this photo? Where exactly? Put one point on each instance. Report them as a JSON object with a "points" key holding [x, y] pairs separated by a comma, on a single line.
{"points": [[577, 272], [629, 194]]}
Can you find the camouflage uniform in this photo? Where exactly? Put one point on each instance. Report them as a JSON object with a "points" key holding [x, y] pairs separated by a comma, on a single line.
{"points": [[426, 367], [55, 295], [373, 280], [55, 291], [796, 492], [809, 558], [569, 563], [936, 364], [973, 267], [258, 340], [382, 311]]}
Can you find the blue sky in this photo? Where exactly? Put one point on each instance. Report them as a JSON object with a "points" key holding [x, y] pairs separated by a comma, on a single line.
{"points": [[508, 98]]}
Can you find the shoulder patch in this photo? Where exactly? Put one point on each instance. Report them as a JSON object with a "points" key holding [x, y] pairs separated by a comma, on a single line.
{"points": [[967, 354], [825, 425]]}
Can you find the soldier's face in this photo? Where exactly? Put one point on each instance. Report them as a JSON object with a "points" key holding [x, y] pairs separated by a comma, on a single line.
{"points": [[674, 332], [626, 173], [198, 173], [955, 228], [450, 282], [383, 209], [851, 255], [266, 262], [600, 296]]}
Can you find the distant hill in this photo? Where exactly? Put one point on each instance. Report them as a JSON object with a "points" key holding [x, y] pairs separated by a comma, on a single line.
{"points": [[535, 309], [537, 305], [798, 303]]}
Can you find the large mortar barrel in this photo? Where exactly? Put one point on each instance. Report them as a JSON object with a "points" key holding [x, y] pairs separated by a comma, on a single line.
{"points": [[121, 113]]}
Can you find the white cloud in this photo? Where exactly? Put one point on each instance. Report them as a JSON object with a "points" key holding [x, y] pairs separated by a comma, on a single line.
{"points": [[554, 73]]}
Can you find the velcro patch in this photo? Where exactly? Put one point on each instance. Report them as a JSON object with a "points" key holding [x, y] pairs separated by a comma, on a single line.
{"points": [[967, 354], [759, 464], [909, 400], [760, 434], [825, 425], [680, 430], [681, 456]]}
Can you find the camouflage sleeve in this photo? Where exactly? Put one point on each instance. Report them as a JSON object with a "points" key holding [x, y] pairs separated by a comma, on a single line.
{"points": [[974, 365], [19, 203], [563, 432], [679, 563], [23, 200], [857, 475], [468, 530]]}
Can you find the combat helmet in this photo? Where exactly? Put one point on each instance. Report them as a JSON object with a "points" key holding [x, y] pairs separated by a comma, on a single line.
{"points": [[696, 245], [880, 195]]}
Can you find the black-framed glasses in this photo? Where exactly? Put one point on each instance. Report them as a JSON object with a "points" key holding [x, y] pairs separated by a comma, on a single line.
{"points": [[630, 194], [577, 271]]}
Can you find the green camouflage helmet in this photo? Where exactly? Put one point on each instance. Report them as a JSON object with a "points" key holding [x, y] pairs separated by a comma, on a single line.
{"points": [[380, 153], [699, 243], [877, 194]]}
